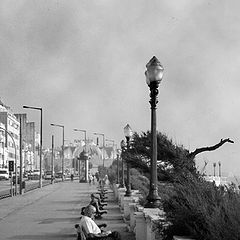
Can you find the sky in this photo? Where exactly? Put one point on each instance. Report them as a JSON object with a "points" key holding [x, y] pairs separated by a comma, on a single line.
{"points": [[83, 62]]}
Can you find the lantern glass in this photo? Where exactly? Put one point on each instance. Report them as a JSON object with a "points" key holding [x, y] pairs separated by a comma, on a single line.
{"points": [[154, 71], [128, 131]]}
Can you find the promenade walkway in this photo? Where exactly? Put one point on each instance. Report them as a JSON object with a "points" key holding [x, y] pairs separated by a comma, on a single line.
{"points": [[51, 212]]}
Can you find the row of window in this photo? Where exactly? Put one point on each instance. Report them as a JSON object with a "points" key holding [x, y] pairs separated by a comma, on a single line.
{"points": [[13, 124], [15, 136], [11, 144]]}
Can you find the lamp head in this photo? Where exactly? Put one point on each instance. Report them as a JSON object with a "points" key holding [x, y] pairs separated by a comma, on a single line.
{"points": [[128, 131], [154, 71]]}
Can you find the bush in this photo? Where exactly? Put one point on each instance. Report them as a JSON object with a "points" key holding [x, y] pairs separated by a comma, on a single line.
{"points": [[139, 182], [200, 209]]}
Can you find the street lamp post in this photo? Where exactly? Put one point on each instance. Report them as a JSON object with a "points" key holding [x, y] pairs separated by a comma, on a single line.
{"points": [[128, 134], [154, 74], [52, 161], [122, 185], [85, 147], [118, 153], [41, 137], [61, 126], [102, 134]]}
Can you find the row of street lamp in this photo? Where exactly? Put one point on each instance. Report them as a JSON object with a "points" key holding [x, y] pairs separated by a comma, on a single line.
{"points": [[63, 140], [154, 75]]}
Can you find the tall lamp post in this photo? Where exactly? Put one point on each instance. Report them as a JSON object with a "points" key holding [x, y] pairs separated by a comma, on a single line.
{"points": [[86, 161], [154, 74], [128, 134], [102, 134], [61, 126], [118, 154], [122, 144], [40, 160]]}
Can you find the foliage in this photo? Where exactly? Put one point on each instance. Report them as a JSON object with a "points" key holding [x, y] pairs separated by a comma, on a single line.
{"points": [[200, 209], [112, 172], [139, 182], [102, 171], [173, 160]]}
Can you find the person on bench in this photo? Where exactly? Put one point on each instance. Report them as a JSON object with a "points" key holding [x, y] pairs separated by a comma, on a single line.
{"points": [[99, 212], [100, 203], [91, 230], [101, 226]]}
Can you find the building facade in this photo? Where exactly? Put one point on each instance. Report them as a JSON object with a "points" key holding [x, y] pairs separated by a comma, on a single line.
{"points": [[28, 141], [3, 151], [12, 132]]}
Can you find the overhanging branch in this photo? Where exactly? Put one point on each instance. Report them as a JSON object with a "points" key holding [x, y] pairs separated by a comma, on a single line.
{"points": [[211, 148]]}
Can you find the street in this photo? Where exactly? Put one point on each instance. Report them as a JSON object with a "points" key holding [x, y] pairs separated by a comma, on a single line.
{"points": [[47, 213]]}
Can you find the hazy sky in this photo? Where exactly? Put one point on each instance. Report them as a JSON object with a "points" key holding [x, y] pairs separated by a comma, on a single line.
{"points": [[83, 62]]}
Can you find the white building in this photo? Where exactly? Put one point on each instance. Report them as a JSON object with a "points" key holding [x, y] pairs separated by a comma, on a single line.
{"points": [[219, 181], [3, 151], [12, 138]]}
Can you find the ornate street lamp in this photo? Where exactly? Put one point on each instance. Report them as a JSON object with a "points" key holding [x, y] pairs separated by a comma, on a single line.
{"points": [[85, 149], [128, 134], [118, 154], [154, 76], [122, 144]]}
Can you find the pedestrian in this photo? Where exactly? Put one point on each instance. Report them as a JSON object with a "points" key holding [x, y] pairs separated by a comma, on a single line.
{"points": [[94, 179], [72, 176], [90, 179]]}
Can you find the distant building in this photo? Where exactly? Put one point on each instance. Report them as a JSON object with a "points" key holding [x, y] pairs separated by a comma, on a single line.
{"points": [[37, 150], [28, 141], [219, 181], [3, 152], [12, 126]]}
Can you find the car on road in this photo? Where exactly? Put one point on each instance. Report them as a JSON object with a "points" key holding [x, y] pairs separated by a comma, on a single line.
{"points": [[4, 174], [48, 175], [59, 175], [34, 175]]}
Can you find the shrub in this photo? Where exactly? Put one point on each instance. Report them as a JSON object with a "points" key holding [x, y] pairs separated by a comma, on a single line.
{"points": [[200, 209], [141, 183]]}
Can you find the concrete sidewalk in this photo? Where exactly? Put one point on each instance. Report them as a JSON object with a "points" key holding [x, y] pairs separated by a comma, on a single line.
{"points": [[51, 212]]}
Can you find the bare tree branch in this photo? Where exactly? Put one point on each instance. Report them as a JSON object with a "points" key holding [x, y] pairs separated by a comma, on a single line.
{"points": [[211, 148]]}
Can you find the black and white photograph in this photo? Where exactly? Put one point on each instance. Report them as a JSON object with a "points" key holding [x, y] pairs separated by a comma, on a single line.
{"points": [[119, 120]]}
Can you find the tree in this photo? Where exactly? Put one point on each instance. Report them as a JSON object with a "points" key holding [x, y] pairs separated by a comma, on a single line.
{"points": [[173, 160]]}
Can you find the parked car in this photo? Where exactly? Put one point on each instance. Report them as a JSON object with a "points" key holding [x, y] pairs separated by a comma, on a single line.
{"points": [[4, 174], [48, 175], [34, 175], [59, 175]]}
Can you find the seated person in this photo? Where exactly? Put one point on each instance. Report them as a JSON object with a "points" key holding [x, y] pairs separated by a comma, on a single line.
{"points": [[101, 204], [101, 226], [90, 228], [99, 212]]}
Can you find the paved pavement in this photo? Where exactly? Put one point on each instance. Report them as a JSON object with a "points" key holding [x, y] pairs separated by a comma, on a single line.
{"points": [[51, 212]]}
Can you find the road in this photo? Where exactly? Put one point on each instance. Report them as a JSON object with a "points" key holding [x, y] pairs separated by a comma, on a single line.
{"points": [[47, 213]]}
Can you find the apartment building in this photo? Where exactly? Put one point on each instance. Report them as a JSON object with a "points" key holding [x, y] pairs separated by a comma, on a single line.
{"points": [[3, 151], [12, 127], [28, 141]]}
